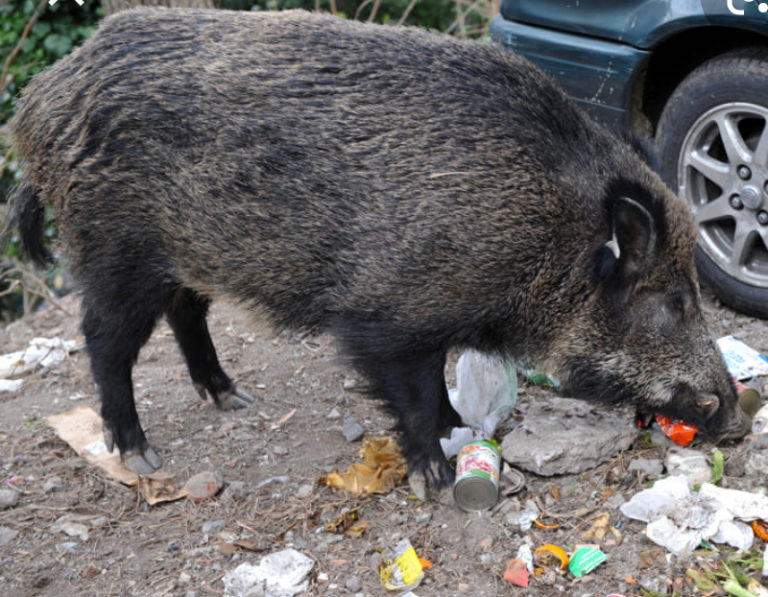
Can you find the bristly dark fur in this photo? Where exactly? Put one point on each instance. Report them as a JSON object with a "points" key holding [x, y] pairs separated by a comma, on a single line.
{"points": [[406, 191], [26, 212]]}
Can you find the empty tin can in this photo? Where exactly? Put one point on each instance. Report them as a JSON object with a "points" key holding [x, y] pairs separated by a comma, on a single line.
{"points": [[477, 476]]}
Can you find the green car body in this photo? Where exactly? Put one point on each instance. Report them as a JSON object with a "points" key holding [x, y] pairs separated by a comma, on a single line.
{"points": [[691, 76]]}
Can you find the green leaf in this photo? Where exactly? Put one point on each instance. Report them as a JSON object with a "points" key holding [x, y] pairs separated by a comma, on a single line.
{"points": [[718, 463], [57, 44], [41, 29]]}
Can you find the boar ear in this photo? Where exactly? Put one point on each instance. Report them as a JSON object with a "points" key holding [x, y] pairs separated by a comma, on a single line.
{"points": [[635, 234]]}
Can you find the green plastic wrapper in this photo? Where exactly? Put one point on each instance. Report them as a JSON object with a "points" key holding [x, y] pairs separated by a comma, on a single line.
{"points": [[584, 560]]}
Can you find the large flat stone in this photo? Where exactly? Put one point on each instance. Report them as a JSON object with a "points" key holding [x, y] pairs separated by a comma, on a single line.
{"points": [[563, 435]]}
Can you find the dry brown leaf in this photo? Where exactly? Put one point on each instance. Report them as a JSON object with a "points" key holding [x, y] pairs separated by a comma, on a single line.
{"points": [[383, 467], [358, 529]]}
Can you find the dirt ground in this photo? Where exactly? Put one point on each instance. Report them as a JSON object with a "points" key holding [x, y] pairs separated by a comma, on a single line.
{"points": [[271, 499]]}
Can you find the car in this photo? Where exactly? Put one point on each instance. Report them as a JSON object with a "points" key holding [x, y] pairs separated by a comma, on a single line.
{"points": [[689, 76]]}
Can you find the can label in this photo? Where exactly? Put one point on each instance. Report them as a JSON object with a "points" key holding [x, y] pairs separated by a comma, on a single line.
{"points": [[477, 476], [478, 459]]}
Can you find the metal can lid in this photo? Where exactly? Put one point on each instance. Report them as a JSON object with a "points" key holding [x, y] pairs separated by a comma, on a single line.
{"points": [[474, 494], [749, 401]]}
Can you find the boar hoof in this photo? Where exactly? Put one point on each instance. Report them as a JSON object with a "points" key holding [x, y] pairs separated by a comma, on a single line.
{"points": [[418, 483], [433, 482], [142, 463], [234, 398]]}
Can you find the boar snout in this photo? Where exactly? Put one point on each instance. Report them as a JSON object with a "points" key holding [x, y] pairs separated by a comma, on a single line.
{"points": [[723, 417]]}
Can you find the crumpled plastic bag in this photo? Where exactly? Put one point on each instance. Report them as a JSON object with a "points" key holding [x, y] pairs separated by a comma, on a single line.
{"points": [[679, 518], [485, 394], [279, 574]]}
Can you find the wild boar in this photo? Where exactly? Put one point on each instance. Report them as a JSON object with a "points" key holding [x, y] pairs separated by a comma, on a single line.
{"points": [[403, 190]]}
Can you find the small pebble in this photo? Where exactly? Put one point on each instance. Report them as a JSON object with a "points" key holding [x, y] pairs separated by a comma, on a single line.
{"points": [[52, 485], [211, 527], [279, 450], [353, 584], [8, 498], [184, 578], [334, 414], [203, 486], [304, 491], [352, 430], [7, 535]]}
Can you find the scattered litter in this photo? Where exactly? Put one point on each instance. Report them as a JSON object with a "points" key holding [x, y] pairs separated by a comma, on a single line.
{"points": [[688, 463], [520, 568], [678, 431], [584, 560], [765, 561], [279, 574], [485, 394], [82, 429], [402, 570], [268, 481], [568, 436], [760, 422], [679, 518], [523, 519], [742, 361], [760, 527], [540, 378], [548, 555], [477, 476], [41, 352], [512, 481], [160, 486], [382, 468], [10, 385], [600, 528]]}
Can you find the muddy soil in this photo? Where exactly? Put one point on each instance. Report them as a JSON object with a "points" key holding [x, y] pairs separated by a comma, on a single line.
{"points": [[271, 499]]}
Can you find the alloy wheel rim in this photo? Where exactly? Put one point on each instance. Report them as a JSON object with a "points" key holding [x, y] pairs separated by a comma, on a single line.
{"points": [[723, 175]]}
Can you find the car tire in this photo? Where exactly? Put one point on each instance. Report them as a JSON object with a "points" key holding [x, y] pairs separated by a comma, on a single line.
{"points": [[712, 141]]}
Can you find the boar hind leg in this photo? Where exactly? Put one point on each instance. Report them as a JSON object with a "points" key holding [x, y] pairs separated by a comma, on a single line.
{"points": [[186, 314], [114, 334]]}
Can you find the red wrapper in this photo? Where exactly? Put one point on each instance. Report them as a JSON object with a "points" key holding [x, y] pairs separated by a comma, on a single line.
{"points": [[678, 431]]}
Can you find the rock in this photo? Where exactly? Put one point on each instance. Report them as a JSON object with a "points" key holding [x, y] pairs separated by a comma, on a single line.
{"points": [[99, 521], [334, 414], [203, 486], [349, 383], [304, 491], [8, 498], [652, 466], [279, 450], [184, 578], [211, 527], [353, 584], [566, 436], [66, 525], [352, 430], [7, 535], [235, 490], [52, 485], [688, 463]]}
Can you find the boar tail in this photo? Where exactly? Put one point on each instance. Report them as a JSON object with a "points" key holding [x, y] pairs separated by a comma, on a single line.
{"points": [[26, 212]]}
